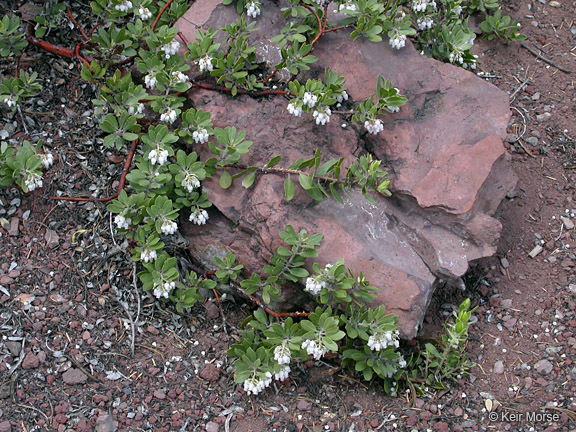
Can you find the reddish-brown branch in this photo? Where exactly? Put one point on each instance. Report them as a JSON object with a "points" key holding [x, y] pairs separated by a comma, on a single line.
{"points": [[121, 183], [270, 76], [86, 38], [183, 38], [53, 49], [77, 54], [208, 86], [160, 14], [318, 20], [210, 274]]}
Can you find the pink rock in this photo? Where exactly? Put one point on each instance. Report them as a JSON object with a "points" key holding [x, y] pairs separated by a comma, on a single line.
{"points": [[443, 150], [74, 376], [31, 361]]}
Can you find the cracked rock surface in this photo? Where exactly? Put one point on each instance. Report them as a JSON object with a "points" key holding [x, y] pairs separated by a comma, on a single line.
{"points": [[443, 150]]}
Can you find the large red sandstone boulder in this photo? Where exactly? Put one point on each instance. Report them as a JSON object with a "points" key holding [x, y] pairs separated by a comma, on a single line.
{"points": [[448, 167]]}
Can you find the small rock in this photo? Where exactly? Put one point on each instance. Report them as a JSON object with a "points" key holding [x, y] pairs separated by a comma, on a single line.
{"points": [[210, 373], [74, 376], [536, 251], [536, 96], [554, 4], [159, 394], [106, 423], [52, 239], [212, 427], [533, 141], [458, 412], [544, 117], [30, 361], [568, 224], [544, 366], [14, 347], [506, 303], [498, 367], [13, 230], [212, 311], [303, 405], [5, 426]]}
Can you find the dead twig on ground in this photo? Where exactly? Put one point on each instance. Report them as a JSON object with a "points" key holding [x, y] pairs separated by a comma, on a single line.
{"points": [[544, 59]]}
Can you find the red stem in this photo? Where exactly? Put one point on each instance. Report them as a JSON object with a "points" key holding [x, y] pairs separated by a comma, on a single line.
{"points": [[121, 184], [240, 91], [160, 14], [86, 38]]}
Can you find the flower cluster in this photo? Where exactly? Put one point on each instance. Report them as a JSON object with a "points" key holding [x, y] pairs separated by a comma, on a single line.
{"points": [[198, 216], [314, 348], [398, 41], [315, 284], [148, 255], [456, 57], [349, 5], [421, 5], [125, 6], [47, 159], [190, 182], [294, 109], [144, 13], [169, 116], [310, 99], [158, 156], [150, 80], [374, 126], [163, 289], [205, 64], [33, 181], [255, 385], [170, 49], [381, 340], [200, 136], [283, 374], [9, 100], [253, 9], [425, 23], [282, 354], [322, 117], [138, 109], [168, 227], [122, 222], [178, 77]]}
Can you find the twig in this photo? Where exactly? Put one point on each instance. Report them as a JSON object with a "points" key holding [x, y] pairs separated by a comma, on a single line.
{"points": [[86, 38], [22, 118], [520, 87], [121, 184], [523, 122], [221, 312], [239, 91], [544, 59], [20, 360], [160, 14], [79, 366], [132, 327], [35, 409]]}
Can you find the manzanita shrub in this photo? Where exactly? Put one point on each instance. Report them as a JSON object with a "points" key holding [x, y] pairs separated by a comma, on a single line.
{"points": [[141, 112]]}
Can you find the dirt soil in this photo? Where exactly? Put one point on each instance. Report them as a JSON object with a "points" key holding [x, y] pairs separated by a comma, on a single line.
{"points": [[83, 349]]}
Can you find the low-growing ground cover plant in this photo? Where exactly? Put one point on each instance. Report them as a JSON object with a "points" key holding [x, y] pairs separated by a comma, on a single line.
{"points": [[133, 59]]}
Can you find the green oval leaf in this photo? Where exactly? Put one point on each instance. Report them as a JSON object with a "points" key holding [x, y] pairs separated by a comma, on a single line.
{"points": [[225, 180]]}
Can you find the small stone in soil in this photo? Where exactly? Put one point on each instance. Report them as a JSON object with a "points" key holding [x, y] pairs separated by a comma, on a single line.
{"points": [[544, 366], [498, 367], [74, 376]]}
